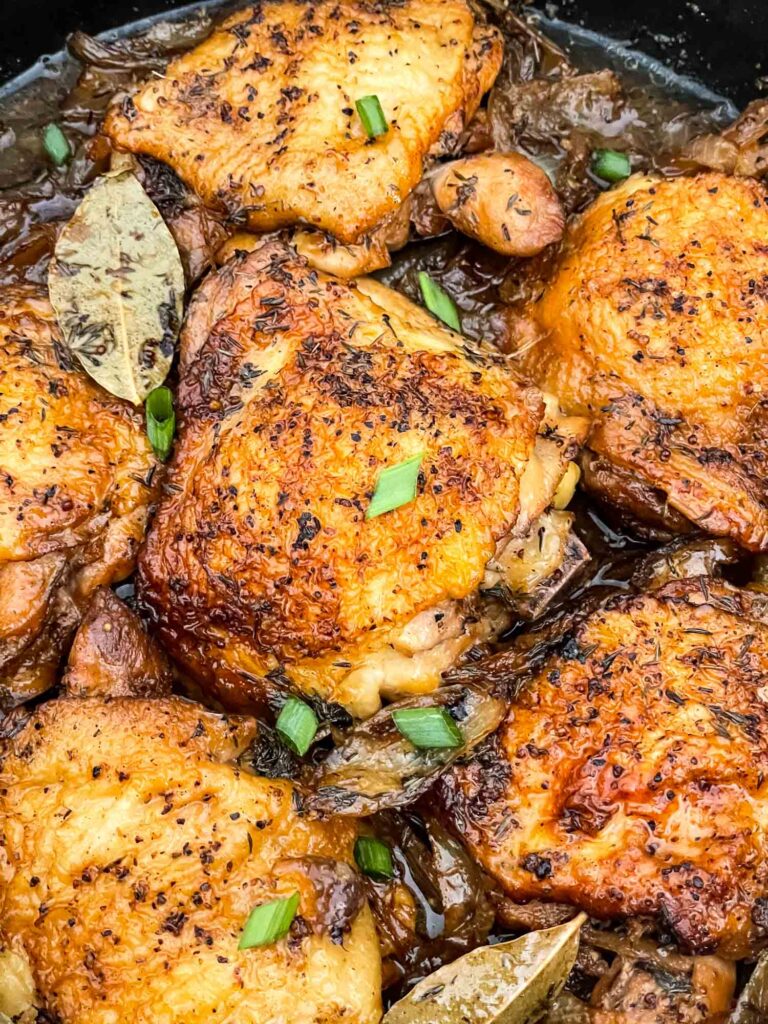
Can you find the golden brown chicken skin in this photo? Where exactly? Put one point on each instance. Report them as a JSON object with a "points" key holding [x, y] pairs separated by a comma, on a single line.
{"points": [[654, 323], [76, 474], [132, 851], [260, 119], [297, 390], [630, 777]]}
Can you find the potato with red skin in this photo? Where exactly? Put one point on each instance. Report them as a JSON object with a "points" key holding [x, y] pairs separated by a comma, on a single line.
{"points": [[503, 200]]}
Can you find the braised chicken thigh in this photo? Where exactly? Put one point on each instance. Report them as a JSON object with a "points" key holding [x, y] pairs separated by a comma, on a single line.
{"points": [[654, 323], [297, 390], [260, 119], [629, 777], [76, 482], [132, 851]]}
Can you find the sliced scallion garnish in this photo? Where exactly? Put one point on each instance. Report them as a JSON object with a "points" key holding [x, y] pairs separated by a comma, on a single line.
{"points": [[438, 302], [610, 165], [428, 728], [269, 922], [374, 858], [161, 421], [372, 116], [56, 145], [297, 725], [396, 486]]}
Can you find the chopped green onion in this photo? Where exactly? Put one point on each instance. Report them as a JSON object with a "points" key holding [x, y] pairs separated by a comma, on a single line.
{"points": [[374, 858], [297, 725], [395, 486], [438, 302], [161, 421], [610, 165], [269, 922], [428, 728], [56, 145], [372, 116]]}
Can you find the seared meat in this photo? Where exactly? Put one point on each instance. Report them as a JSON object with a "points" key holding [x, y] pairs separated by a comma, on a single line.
{"points": [[75, 487], [654, 323], [132, 852], [631, 775], [260, 118], [297, 389]]}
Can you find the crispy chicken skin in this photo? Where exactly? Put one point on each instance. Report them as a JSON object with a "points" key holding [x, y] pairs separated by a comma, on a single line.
{"points": [[297, 389], [132, 851], [75, 488], [654, 323], [260, 118], [629, 778]]}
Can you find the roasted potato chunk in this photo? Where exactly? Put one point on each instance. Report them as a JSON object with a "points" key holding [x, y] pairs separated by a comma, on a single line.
{"points": [[112, 655], [629, 775], [654, 324], [76, 483], [503, 200], [297, 390], [132, 854], [260, 119]]}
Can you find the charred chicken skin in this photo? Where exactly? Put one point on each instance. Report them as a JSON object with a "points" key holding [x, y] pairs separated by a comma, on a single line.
{"points": [[132, 851], [629, 777], [76, 476], [654, 324], [297, 390], [260, 119]]}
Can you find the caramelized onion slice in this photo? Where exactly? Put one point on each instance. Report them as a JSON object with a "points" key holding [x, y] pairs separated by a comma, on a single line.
{"points": [[752, 1007], [533, 570], [375, 767], [685, 559]]}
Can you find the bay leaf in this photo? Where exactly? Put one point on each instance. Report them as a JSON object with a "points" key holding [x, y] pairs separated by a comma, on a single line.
{"points": [[509, 983], [117, 286]]}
